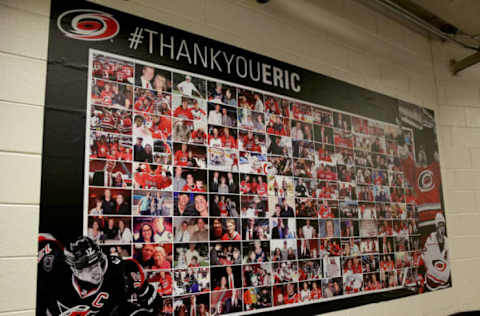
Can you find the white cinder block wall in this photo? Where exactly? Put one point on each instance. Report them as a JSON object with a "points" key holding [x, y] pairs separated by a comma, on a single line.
{"points": [[339, 38]]}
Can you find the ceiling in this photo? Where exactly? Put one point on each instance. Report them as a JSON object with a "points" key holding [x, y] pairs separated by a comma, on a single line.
{"points": [[464, 14]]}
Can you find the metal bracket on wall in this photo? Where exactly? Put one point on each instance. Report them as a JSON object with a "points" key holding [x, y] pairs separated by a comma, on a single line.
{"points": [[458, 65]]}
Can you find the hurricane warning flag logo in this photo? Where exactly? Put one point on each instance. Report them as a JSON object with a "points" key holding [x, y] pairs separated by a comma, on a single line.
{"points": [[88, 25]]}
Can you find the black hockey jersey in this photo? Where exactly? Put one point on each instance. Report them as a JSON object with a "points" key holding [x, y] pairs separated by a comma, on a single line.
{"points": [[123, 291]]}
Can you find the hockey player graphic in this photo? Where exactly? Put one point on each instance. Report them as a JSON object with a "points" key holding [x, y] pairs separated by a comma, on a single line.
{"points": [[80, 280], [435, 257]]}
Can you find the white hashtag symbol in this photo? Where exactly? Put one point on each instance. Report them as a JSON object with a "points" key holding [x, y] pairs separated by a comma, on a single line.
{"points": [[136, 37]]}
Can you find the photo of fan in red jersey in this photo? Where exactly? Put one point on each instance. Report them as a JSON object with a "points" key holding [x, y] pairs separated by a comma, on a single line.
{"points": [[359, 125], [352, 283], [250, 141], [310, 291], [152, 101], [149, 176], [111, 120], [189, 108], [152, 126], [371, 282], [285, 294], [327, 190], [277, 125], [102, 201], [153, 78], [327, 209], [250, 100], [301, 111], [326, 171], [219, 92], [108, 146], [112, 94], [163, 280], [324, 153], [112, 69], [286, 271], [276, 105], [253, 184], [224, 137], [343, 138], [191, 156], [192, 132], [309, 270], [225, 229], [110, 173]]}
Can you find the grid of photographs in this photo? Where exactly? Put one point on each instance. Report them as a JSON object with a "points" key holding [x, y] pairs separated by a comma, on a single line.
{"points": [[234, 200]]}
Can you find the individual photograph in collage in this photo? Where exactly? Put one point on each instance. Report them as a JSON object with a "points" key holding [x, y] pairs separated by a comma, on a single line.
{"points": [[155, 102], [110, 120], [188, 85], [219, 114], [250, 100], [112, 94], [251, 120], [189, 108], [113, 69], [219, 92], [276, 105]]}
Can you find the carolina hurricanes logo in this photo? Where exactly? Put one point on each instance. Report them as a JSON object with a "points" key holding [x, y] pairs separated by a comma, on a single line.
{"points": [[425, 181], [88, 25], [440, 265]]}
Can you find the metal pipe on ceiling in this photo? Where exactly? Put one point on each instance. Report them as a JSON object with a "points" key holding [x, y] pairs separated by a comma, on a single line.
{"points": [[407, 15]]}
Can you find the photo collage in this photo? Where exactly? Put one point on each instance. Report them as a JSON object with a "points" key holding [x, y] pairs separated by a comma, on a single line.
{"points": [[233, 200]]}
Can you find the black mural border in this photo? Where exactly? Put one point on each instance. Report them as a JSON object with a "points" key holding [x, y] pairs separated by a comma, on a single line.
{"points": [[61, 204]]}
